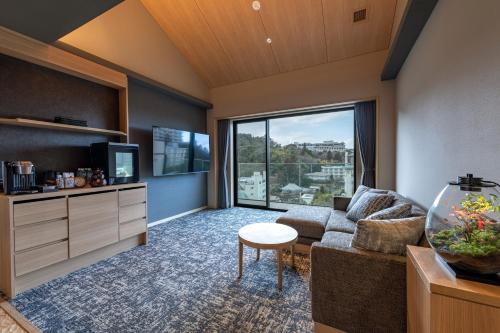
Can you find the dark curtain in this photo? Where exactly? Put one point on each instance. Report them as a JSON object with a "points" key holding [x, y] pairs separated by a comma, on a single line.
{"points": [[222, 156], [365, 122]]}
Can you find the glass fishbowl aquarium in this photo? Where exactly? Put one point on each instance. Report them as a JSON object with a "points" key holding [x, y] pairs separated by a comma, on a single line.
{"points": [[463, 225]]}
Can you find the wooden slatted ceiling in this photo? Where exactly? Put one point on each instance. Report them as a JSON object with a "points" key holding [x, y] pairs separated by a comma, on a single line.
{"points": [[297, 32], [347, 39], [246, 48], [189, 31], [225, 40]]}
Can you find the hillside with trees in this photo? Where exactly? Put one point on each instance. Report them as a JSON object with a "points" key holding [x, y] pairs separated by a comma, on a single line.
{"points": [[289, 164]]}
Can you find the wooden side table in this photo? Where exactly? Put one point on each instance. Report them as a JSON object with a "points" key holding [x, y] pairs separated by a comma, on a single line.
{"points": [[439, 302], [267, 236]]}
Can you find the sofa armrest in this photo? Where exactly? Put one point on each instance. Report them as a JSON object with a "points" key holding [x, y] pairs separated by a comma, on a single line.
{"points": [[341, 203], [358, 291]]}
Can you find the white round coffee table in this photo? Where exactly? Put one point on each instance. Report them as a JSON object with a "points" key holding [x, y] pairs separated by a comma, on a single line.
{"points": [[268, 236]]}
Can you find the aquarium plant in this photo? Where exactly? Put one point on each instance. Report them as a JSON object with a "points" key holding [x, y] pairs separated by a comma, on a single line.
{"points": [[463, 225]]}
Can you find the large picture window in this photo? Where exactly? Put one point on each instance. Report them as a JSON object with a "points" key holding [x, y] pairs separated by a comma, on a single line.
{"points": [[295, 160]]}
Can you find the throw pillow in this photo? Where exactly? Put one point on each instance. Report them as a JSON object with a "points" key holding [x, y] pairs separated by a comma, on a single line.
{"points": [[395, 212], [362, 189], [388, 236], [368, 204], [399, 199]]}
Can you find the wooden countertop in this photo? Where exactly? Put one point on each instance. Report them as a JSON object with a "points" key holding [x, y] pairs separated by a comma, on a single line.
{"points": [[67, 192], [439, 280]]}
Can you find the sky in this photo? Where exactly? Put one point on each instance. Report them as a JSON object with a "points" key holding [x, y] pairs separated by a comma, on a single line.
{"points": [[315, 128]]}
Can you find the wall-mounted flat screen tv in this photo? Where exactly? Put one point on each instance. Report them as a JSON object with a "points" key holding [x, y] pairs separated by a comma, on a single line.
{"points": [[177, 152]]}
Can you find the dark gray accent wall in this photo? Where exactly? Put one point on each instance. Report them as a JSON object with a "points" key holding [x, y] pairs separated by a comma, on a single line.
{"points": [[35, 92], [148, 107], [49, 20], [414, 18]]}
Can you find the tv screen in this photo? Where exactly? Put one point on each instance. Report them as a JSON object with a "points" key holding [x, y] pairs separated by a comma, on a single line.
{"points": [[124, 164], [176, 152]]}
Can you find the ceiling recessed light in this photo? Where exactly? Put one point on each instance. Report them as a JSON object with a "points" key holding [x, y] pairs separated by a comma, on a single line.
{"points": [[256, 5], [269, 40]]}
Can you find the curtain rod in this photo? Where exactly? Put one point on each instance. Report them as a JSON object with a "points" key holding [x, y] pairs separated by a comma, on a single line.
{"points": [[292, 111]]}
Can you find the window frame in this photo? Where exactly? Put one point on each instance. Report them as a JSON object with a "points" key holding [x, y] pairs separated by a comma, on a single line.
{"points": [[268, 151]]}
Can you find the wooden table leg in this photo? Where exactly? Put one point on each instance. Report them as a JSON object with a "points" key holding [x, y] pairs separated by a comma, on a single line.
{"points": [[258, 254], [292, 252], [241, 261], [280, 268]]}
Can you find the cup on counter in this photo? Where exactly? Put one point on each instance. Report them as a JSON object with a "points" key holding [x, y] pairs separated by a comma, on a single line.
{"points": [[59, 181], [69, 179]]}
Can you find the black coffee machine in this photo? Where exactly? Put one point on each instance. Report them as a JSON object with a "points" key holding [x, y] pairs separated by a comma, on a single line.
{"points": [[18, 177]]}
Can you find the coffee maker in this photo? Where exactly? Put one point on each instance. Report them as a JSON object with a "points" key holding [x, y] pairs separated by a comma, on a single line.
{"points": [[18, 177]]}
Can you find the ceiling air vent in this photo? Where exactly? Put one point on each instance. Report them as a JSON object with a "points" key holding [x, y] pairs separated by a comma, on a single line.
{"points": [[359, 15]]}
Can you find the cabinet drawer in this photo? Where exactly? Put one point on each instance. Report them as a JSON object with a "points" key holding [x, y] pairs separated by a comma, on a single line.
{"points": [[93, 222], [40, 233], [45, 210], [132, 228], [130, 197], [134, 212], [32, 260]]}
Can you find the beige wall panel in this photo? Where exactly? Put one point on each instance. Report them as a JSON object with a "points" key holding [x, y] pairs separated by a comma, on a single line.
{"points": [[348, 80], [129, 36], [185, 25]]}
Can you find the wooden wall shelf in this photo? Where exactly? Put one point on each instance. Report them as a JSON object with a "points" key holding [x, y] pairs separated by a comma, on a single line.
{"points": [[60, 127], [21, 47]]}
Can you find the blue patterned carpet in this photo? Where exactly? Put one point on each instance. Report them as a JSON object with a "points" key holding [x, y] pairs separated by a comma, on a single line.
{"points": [[185, 280]]}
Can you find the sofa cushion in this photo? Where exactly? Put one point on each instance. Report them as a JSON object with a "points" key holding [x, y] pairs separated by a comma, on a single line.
{"points": [[341, 203], [368, 204], [339, 222], [399, 199], [308, 221], [307, 240], [337, 239], [362, 189], [388, 236], [417, 211], [395, 212]]}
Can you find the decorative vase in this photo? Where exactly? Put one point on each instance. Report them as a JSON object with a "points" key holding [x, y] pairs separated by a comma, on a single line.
{"points": [[463, 225]]}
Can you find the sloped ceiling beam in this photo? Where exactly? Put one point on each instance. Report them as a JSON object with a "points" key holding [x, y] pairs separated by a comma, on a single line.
{"points": [[416, 15], [49, 20]]}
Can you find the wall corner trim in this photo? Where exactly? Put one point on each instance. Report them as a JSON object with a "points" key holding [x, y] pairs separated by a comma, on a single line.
{"points": [[168, 219]]}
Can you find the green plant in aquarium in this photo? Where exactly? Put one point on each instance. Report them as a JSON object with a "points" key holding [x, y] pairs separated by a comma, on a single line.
{"points": [[475, 234]]}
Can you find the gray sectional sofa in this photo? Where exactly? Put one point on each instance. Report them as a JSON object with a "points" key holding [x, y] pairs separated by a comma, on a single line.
{"points": [[311, 223], [353, 290]]}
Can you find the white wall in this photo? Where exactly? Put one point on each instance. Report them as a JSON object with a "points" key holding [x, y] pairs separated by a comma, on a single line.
{"points": [[347, 80], [448, 100], [128, 35]]}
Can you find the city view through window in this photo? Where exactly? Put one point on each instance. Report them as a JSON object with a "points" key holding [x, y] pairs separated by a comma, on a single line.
{"points": [[311, 159]]}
